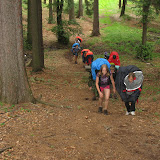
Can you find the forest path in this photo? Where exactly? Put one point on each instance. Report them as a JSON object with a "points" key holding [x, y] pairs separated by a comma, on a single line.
{"points": [[74, 128]]}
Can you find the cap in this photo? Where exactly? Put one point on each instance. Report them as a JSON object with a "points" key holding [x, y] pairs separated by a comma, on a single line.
{"points": [[106, 56]]}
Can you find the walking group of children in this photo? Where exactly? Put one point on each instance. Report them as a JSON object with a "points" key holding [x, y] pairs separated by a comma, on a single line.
{"points": [[106, 73]]}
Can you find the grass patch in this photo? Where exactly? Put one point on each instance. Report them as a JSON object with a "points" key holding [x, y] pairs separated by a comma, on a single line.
{"points": [[93, 41], [108, 6], [149, 90], [121, 37], [106, 9], [154, 30]]}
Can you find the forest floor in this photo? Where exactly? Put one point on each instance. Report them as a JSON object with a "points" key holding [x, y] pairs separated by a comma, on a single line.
{"points": [[72, 129]]}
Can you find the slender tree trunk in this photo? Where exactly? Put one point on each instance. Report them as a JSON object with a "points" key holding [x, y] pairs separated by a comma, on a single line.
{"points": [[50, 21], [123, 8], [43, 1], [71, 10], [62, 36], [29, 33], [95, 31], [54, 6], [59, 21], [146, 7], [59, 12], [80, 12], [119, 3], [14, 86], [41, 33], [37, 40]]}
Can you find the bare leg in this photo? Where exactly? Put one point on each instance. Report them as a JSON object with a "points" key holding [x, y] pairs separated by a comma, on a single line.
{"points": [[106, 94], [73, 57], [100, 101], [76, 59]]}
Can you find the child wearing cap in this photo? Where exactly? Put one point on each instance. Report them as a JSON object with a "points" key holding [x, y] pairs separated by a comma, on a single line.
{"points": [[106, 55]]}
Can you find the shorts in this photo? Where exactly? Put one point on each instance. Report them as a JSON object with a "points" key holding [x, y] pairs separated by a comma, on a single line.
{"points": [[106, 87], [76, 54]]}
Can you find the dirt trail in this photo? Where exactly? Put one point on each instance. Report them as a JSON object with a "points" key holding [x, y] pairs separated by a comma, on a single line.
{"points": [[73, 130]]}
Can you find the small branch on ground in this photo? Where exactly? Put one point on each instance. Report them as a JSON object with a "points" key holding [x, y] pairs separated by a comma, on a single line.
{"points": [[145, 61], [3, 149], [46, 103]]}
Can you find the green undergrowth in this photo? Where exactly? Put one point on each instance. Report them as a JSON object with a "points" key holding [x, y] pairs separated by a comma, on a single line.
{"points": [[24, 7], [121, 37], [154, 30], [106, 9]]}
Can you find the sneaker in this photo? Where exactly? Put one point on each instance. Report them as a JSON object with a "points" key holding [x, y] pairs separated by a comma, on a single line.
{"points": [[127, 113], [105, 112], [100, 109], [133, 113]]}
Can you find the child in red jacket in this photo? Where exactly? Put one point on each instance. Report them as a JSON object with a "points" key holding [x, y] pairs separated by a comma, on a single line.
{"points": [[114, 58]]}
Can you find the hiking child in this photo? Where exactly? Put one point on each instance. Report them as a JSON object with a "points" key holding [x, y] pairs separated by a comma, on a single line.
{"points": [[106, 55], [75, 51], [83, 54], [131, 81], [114, 58], [113, 71], [87, 56], [92, 86], [95, 67], [78, 39], [103, 87], [128, 82]]}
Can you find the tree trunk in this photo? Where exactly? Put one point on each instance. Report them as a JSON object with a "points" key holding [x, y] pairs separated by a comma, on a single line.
{"points": [[71, 10], [29, 33], [80, 12], [59, 12], [50, 21], [44, 1], [123, 8], [41, 33], [54, 6], [14, 86], [146, 7], [59, 21], [37, 39], [119, 3], [95, 31], [62, 37]]}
